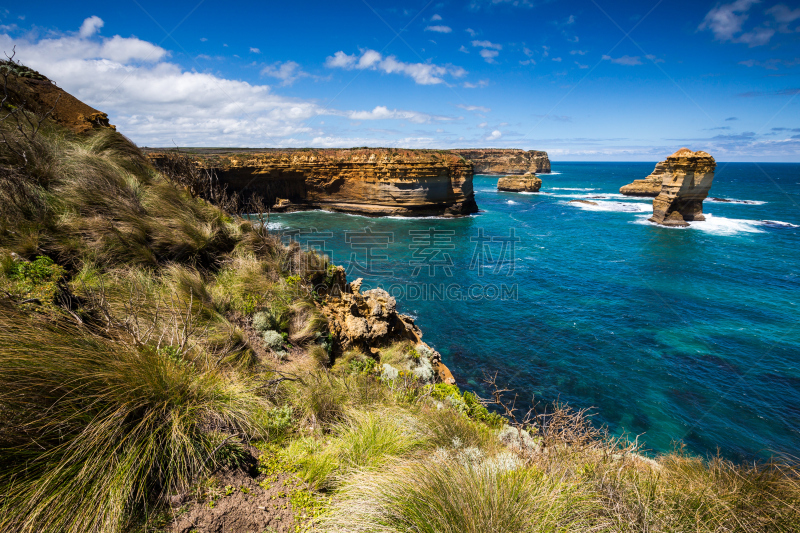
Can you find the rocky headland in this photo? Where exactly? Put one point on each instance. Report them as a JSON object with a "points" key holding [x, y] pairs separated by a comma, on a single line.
{"points": [[526, 183], [649, 186], [373, 182], [505, 160], [30, 90], [686, 180]]}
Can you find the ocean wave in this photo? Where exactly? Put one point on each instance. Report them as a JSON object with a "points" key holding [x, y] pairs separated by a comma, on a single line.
{"points": [[618, 207], [734, 201], [573, 189], [717, 225], [512, 202], [602, 196]]}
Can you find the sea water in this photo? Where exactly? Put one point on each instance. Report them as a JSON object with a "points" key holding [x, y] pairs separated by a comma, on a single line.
{"points": [[671, 335]]}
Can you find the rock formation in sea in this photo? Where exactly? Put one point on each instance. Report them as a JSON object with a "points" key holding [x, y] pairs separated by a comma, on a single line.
{"points": [[686, 181], [506, 160], [369, 320], [650, 186], [526, 183], [375, 182], [587, 202]]}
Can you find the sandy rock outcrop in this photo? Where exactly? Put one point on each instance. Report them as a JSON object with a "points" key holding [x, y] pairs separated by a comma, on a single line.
{"points": [[375, 182], [526, 183], [369, 320], [686, 181], [505, 160], [649, 186], [33, 91]]}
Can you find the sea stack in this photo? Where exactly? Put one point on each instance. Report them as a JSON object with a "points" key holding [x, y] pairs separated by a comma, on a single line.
{"points": [[527, 183], [685, 183], [650, 186]]}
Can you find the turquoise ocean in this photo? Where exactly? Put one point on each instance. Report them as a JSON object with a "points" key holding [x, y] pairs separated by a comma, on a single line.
{"points": [[670, 335]]}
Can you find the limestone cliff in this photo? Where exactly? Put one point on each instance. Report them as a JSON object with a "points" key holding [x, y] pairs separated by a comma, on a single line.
{"points": [[650, 186], [686, 180], [526, 183], [34, 92], [374, 182], [506, 160]]}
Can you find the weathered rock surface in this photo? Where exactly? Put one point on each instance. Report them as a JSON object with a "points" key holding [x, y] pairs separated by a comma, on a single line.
{"points": [[587, 202], [506, 160], [650, 186], [526, 183], [33, 91], [369, 320], [374, 182], [686, 181]]}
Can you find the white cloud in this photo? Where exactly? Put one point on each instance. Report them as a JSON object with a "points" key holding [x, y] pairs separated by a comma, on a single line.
{"points": [[581, 66], [155, 102], [384, 113], [288, 72], [557, 59], [421, 73], [439, 29], [528, 62], [435, 18], [494, 136], [463, 49], [255, 50], [487, 44], [203, 39], [578, 52], [624, 60], [727, 20], [90, 26], [480, 84], [471, 32], [483, 124], [653, 58], [490, 50], [489, 55], [478, 108]]}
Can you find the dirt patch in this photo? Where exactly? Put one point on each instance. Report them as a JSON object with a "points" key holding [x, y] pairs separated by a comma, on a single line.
{"points": [[240, 503]]}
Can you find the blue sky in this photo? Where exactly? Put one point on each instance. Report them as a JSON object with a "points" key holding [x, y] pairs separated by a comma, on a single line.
{"points": [[594, 80]]}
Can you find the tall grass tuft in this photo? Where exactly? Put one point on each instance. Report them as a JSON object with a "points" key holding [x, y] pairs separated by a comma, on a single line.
{"points": [[96, 428], [453, 497]]}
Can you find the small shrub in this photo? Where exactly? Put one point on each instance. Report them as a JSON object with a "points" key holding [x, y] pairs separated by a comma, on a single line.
{"points": [[273, 340]]}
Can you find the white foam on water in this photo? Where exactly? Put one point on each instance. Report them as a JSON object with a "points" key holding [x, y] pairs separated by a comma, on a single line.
{"points": [[602, 196], [573, 189], [618, 207], [551, 173], [724, 226], [727, 226], [512, 202]]}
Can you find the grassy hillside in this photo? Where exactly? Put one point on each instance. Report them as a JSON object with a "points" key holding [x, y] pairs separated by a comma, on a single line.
{"points": [[165, 366]]}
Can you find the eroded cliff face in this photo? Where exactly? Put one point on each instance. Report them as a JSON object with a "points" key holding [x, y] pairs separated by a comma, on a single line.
{"points": [[375, 182], [685, 183], [506, 160], [526, 183], [649, 186]]}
